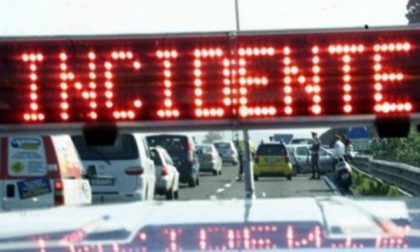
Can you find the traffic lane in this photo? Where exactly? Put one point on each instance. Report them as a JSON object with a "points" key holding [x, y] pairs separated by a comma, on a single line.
{"points": [[209, 184], [278, 187]]}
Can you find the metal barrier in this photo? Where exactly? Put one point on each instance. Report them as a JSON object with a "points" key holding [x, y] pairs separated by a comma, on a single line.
{"points": [[404, 176]]}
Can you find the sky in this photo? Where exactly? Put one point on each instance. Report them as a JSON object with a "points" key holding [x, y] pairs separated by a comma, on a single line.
{"points": [[70, 17], [81, 17]]}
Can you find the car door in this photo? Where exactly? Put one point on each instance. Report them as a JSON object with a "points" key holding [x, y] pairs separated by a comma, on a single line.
{"points": [[173, 172], [149, 173], [325, 160], [303, 158]]}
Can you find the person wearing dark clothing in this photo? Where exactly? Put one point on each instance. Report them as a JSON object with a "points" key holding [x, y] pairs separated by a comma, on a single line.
{"points": [[316, 146], [241, 165], [348, 156]]}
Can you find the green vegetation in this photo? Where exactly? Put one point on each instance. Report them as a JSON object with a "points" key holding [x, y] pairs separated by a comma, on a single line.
{"points": [[405, 150], [370, 187]]}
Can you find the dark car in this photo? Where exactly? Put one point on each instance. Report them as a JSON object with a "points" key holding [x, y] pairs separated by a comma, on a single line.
{"points": [[181, 150]]}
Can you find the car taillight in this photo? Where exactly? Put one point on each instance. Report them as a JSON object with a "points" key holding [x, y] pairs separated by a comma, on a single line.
{"points": [[134, 171], [164, 171], [58, 193], [211, 157]]}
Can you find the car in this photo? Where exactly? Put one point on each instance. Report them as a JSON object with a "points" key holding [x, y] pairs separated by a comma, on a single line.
{"points": [[167, 176], [181, 150], [41, 171], [227, 151], [301, 141], [272, 160], [120, 172], [300, 157], [209, 158]]}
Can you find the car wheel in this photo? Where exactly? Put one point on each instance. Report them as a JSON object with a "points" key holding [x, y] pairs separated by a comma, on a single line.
{"points": [[215, 172], [170, 194], [289, 177], [197, 181], [176, 194], [191, 182], [256, 178], [220, 172]]}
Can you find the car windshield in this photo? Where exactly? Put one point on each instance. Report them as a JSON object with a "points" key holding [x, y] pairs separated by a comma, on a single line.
{"points": [[124, 148], [222, 145], [172, 144], [204, 148], [271, 150], [235, 125], [301, 141]]}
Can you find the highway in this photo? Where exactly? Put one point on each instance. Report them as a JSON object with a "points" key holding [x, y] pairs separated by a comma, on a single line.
{"points": [[226, 186]]}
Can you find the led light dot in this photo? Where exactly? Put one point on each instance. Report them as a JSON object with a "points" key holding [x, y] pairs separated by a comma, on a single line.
{"points": [[270, 51], [136, 65], [63, 56], [347, 108], [93, 115], [301, 79], [316, 109], [347, 88], [378, 97], [346, 98], [108, 65]]}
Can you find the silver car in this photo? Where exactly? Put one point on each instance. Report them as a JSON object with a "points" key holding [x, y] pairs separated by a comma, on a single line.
{"points": [[227, 151], [167, 176], [209, 158], [300, 157]]}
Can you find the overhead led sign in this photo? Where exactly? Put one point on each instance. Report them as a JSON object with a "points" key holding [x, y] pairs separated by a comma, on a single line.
{"points": [[213, 76]]}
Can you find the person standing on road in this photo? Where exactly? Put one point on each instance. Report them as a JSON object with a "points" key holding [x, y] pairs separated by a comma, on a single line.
{"points": [[316, 146], [348, 156], [241, 165], [339, 151]]}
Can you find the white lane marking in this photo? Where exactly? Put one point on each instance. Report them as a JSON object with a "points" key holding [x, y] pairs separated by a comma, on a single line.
{"points": [[220, 190], [228, 185]]}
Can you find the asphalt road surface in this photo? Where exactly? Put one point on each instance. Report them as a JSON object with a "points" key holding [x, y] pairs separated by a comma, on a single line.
{"points": [[226, 186]]}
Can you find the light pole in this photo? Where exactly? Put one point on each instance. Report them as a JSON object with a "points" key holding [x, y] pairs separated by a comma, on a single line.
{"points": [[247, 164]]}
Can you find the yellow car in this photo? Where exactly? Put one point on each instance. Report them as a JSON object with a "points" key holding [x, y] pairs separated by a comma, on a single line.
{"points": [[272, 160]]}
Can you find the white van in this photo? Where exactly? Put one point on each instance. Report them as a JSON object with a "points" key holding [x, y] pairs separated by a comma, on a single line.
{"points": [[41, 171], [120, 172]]}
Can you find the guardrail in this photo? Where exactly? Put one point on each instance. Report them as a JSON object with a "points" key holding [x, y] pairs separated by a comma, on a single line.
{"points": [[404, 176]]}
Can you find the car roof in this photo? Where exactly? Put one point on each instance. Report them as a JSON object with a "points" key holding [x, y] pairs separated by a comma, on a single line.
{"points": [[168, 135], [205, 145], [158, 148], [298, 145], [272, 143]]}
